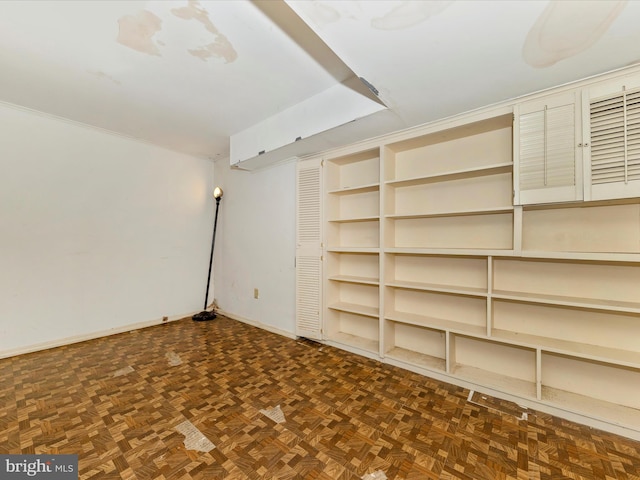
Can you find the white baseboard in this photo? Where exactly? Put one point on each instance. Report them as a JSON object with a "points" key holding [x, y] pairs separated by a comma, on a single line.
{"points": [[89, 336], [130, 327], [255, 323]]}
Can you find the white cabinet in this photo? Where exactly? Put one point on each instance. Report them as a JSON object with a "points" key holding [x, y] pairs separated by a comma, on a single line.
{"points": [[613, 127], [548, 150], [583, 144]]}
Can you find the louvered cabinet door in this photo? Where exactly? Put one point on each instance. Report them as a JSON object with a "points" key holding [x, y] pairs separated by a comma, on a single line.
{"points": [[547, 159], [309, 249], [613, 166]]}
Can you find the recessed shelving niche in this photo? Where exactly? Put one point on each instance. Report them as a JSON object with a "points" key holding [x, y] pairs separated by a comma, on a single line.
{"points": [[594, 388], [480, 231], [351, 173], [437, 273], [353, 267], [605, 227], [415, 345], [459, 150], [496, 365]]}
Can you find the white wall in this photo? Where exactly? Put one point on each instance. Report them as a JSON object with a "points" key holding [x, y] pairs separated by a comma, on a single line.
{"points": [[97, 231], [255, 245]]}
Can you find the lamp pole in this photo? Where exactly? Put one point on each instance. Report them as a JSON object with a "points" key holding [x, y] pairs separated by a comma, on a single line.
{"points": [[205, 314]]}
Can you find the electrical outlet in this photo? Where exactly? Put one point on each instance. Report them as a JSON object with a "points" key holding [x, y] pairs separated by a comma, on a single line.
{"points": [[256, 293]]}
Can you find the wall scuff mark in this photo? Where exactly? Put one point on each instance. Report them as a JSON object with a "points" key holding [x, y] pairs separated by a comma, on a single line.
{"points": [[220, 48], [565, 29], [137, 31]]}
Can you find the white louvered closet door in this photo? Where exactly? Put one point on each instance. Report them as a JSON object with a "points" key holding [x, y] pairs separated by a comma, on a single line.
{"points": [[547, 162], [614, 131], [309, 249]]}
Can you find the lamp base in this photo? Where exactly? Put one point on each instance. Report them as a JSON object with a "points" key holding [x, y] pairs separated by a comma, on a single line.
{"points": [[204, 316]]}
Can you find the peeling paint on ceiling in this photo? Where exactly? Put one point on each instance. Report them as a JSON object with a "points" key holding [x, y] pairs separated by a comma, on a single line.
{"points": [[220, 48], [190, 74], [565, 29], [137, 31]]}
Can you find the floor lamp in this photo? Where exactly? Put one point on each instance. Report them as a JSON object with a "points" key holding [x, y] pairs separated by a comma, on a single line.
{"points": [[205, 314]]}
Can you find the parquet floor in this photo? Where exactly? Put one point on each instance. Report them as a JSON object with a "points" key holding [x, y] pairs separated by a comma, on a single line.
{"points": [[116, 402]]}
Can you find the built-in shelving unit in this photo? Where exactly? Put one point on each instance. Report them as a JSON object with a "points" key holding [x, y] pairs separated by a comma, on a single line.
{"points": [[450, 189], [429, 265], [353, 250]]}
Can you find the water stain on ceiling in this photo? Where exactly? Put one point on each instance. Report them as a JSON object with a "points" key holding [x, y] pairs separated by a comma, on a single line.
{"points": [[220, 48], [403, 14], [243, 62], [323, 14], [408, 14], [104, 76], [137, 31], [565, 29]]}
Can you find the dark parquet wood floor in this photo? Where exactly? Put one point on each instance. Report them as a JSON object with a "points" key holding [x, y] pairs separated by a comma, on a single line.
{"points": [[116, 402]]}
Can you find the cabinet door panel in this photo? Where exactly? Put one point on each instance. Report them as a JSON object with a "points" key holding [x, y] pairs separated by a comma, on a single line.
{"points": [[547, 160], [613, 164], [309, 249]]}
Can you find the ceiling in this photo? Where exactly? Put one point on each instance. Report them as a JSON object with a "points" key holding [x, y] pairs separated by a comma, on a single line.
{"points": [[195, 76]]}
